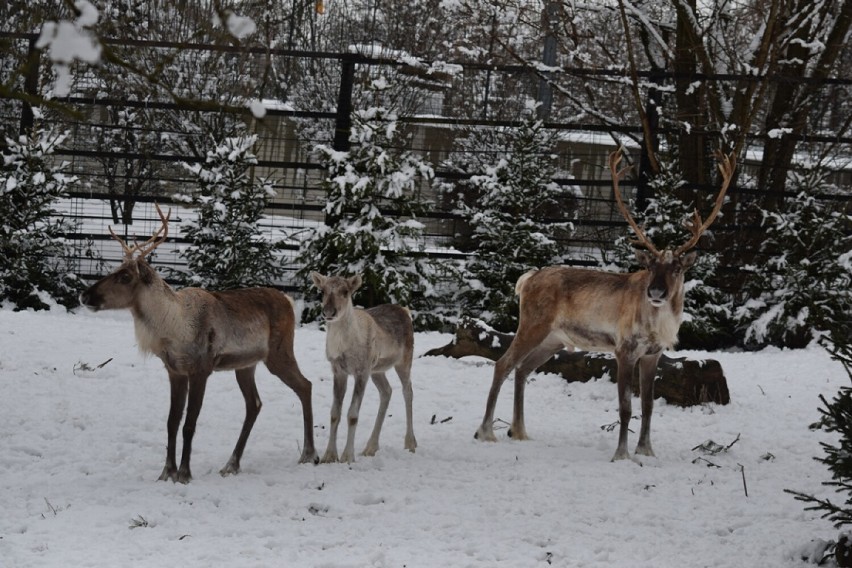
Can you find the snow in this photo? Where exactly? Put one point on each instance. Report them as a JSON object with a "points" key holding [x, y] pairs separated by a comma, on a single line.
{"points": [[779, 132], [257, 107], [240, 27], [66, 42], [81, 446]]}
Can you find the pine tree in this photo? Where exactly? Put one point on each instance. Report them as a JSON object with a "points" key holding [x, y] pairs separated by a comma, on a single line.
{"points": [[836, 417], [805, 285], [228, 249], [707, 312], [372, 205], [33, 252], [515, 213]]}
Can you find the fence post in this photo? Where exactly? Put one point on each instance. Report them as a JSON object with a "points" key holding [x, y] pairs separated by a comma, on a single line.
{"points": [[549, 17], [30, 87], [343, 119]]}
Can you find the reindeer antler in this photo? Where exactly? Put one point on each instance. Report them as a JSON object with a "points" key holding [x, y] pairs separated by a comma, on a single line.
{"points": [[644, 241], [727, 164], [148, 246]]}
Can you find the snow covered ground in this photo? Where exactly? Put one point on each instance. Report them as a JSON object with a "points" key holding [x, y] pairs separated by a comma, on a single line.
{"points": [[82, 446]]}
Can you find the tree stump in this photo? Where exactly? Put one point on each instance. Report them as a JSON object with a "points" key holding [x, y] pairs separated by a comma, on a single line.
{"points": [[679, 381]]}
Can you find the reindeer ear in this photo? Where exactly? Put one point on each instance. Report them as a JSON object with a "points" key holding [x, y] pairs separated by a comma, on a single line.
{"points": [[354, 282], [644, 257], [688, 259], [146, 273], [318, 279]]}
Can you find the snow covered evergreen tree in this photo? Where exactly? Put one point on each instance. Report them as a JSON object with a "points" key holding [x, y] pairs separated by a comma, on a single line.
{"points": [[372, 204], [33, 251], [515, 212], [708, 318], [805, 285], [228, 249], [836, 417]]}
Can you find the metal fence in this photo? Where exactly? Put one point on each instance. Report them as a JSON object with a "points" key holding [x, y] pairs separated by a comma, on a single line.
{"points": [[137, 172]]}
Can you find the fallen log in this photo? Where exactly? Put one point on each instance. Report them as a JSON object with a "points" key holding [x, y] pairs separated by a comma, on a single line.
{"points": [[679, 381]]}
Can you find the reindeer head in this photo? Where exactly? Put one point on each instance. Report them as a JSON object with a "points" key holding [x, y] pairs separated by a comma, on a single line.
{"points": [[665, 268], [120, 288], [336, 294]]}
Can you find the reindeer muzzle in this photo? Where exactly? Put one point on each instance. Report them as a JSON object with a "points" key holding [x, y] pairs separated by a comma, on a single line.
{"points": [[90, 300], [657, 296]]}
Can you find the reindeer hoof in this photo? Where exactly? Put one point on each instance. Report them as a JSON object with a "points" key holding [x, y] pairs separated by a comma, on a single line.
{"points": [[644, 451], [620, 455], [485, 436], [229, 469], [184, 476], [518, 435], [309, 457], [330, 457], [168, 473]]}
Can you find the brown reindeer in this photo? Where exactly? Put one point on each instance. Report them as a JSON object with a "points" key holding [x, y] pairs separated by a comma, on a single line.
{"points": [[636, 316], [364, 343], [195, 332]]}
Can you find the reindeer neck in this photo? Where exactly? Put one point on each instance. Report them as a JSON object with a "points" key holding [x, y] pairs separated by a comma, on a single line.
{"points": [[348, 330], [158, 314], [665, 321]]}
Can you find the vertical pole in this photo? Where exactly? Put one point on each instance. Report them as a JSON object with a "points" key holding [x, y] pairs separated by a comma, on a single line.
{"points": [[31, 87], [549, 17], [343, 119]]}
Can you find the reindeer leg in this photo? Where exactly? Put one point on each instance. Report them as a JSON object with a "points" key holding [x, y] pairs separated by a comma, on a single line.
{"points": [[245, 380], [536, 358], [647, 370], [625, 363], [197, 386], [339, 392], [289, 373], [502, 369], [178, 401], [381, 382], [526, 339], [404, 372], [348, 455]]}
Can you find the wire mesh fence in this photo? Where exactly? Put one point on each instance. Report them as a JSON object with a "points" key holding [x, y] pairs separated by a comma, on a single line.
{"points": [[129, 151]]}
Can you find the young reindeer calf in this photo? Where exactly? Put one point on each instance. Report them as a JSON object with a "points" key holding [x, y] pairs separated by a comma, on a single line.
{"points": [[195, 332], [364, 343]]}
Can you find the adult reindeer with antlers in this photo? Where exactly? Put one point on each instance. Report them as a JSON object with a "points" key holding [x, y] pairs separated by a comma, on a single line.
{"points": [[636, 316], [195, 332]]}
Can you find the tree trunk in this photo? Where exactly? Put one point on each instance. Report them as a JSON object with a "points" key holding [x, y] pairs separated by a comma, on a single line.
{"points": [[692, 142], [680, 381]]}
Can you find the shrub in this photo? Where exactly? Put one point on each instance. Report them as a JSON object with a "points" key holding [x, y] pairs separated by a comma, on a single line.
{"points": [[34, 254], [804, 287], [227, 248], [372, 207], [515, 212]]}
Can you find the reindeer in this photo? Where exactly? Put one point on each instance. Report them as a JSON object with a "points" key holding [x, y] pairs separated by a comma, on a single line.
{"points": [[195, 332], [364, 343], [636, 316]]}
